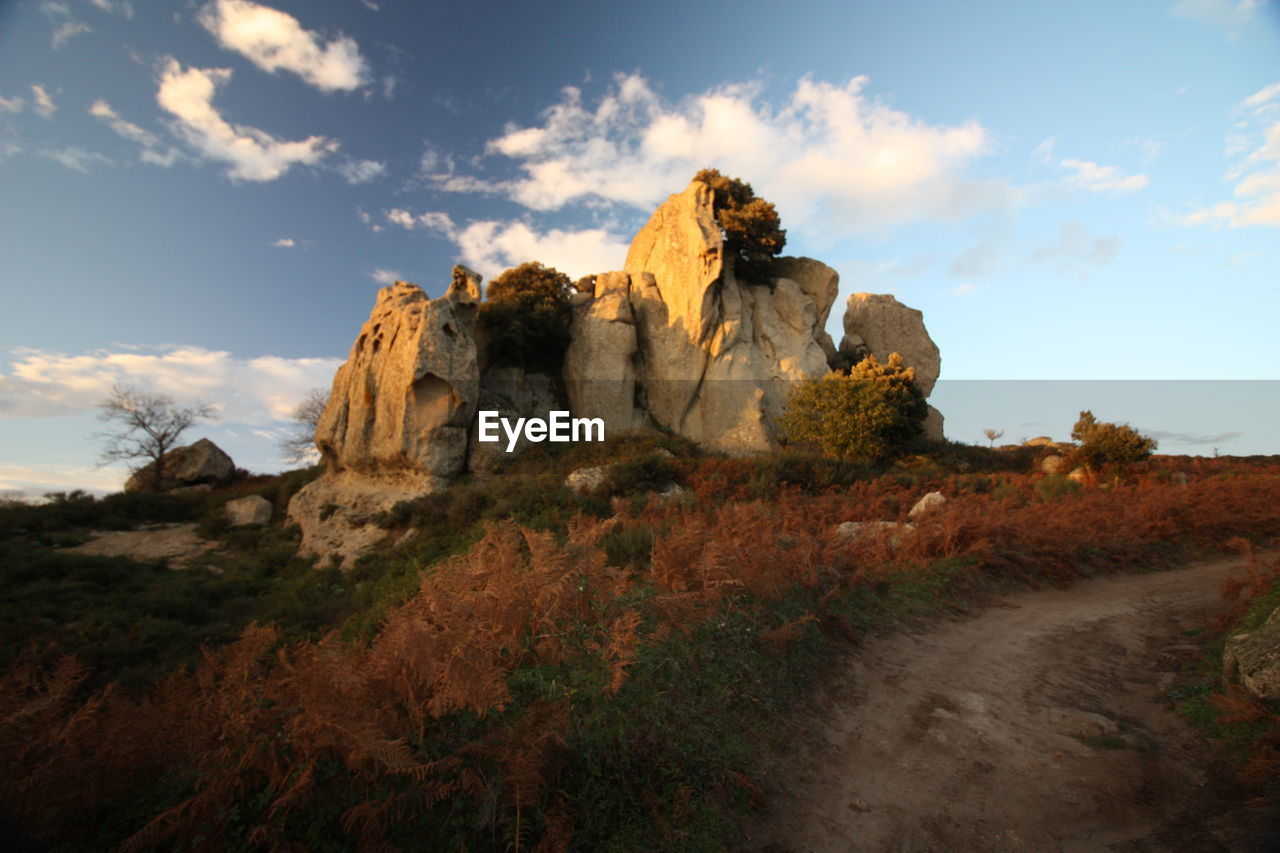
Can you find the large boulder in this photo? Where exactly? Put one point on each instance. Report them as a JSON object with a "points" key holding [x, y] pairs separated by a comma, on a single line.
{"points": [[398, 417], [202, 463], [251, 511], [879, 324], [1252, 660]]}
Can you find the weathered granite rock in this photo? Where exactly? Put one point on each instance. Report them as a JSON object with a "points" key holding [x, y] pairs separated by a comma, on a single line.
{"points": [[927, 504], [1078, 475], [1052, 464], [933, 425], [584, 481], [600, 365], [407, 394], [398, 417], [200, 463], [464, 286], [1253, 659], [716, 356], [883, 325], [251, 511]]}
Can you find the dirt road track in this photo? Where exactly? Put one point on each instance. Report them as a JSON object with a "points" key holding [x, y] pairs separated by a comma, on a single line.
{"points": [[1039, 725]]}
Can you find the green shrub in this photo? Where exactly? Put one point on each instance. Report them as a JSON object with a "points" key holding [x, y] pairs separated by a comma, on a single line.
{"points": [[752, 231], [1055, 487], [525, 321], [1119, 445], [649, 472]]}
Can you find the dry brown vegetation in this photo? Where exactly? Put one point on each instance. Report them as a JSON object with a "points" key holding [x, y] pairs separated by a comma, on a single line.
{"points": [[463, 713]]}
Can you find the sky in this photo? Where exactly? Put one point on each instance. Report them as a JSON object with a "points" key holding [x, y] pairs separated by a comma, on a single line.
{"points": [[203, 198]]}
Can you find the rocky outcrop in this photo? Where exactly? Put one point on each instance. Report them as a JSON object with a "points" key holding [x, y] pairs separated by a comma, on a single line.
{"points": [[399, 415], [202, 463], [676, 340]]}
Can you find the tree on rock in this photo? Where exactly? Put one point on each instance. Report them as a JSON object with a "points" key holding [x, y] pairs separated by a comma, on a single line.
{"points": [[873, 412], [147, 425], [752, 231], [525, 320]]}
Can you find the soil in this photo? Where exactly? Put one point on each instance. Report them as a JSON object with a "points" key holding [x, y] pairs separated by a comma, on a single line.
{"points": [[1039, 724]]}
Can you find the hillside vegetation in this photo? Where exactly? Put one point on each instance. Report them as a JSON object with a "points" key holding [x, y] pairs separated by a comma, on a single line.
{"points": [[529, 668]]}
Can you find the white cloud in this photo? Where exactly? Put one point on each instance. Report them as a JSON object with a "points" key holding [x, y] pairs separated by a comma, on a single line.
{"points": [[123, 7], [1044, 151], [367, 218], [830, 157], [274, 40], [76, 158], [154, 151], [285, 243], [26, 481], [490, 247], [43, 102], [382, 276], [1102, 179], [1228, 16], [1255, 145], [1077, 252], [65, 32], [253, 154], [11, 105], [255, 391], [362, 171]]}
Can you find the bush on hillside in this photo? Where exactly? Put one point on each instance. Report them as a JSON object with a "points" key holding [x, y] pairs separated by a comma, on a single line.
{"points": [[752, 231], [1119, 445]]}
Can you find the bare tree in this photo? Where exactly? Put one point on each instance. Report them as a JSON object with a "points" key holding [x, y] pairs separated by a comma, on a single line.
{"points": [[147, 425], [992, 435], [300, 445]]}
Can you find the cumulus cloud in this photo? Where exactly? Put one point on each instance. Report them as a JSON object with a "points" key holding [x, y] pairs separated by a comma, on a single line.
{"points": [[362, 171], [1077, 251], [382, 276], [1230, 16], [154, 151], [490, 246], [1102, 179], [274, 41], [76, 158], [256, 391], [285, 243], [253, 155], [1255, 147], [42, 102], [829, 156], [11, 105]]}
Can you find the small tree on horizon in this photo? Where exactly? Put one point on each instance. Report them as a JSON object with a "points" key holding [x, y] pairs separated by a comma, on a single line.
{"points": [[992, 435], [1106, 443], [299, 446], [147, 426]]}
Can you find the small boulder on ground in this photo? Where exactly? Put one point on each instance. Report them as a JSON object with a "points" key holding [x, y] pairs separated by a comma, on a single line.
{"points": [[254, 510], [1078, 475], [1052, 464], [855, 530], [584, 481], [927, 504]]}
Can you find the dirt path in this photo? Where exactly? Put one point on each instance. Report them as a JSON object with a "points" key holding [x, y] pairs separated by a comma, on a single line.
{"points": [[1035, 726]]}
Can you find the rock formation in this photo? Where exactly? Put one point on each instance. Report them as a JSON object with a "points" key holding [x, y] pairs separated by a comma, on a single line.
{"points": [[877, 324], [674, 340], [202, 463], [398, 418]]}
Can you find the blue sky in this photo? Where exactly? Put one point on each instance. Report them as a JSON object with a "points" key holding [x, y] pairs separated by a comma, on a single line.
{"points": [[204, 197]]}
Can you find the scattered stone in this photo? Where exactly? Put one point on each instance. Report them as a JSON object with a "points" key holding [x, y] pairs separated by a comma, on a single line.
{"points": [[1253, 660], [927, 504], [1052, 464], [584, 481], [1078, 475], [1076, 723], [1040, 441], [201, 463], [253, 510], [855, 530], [178, 544]]}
